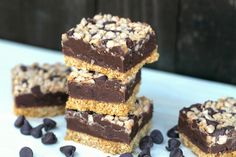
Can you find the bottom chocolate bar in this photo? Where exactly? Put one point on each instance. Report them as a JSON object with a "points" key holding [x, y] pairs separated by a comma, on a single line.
{"points": [[111, 134], [208, 129]]}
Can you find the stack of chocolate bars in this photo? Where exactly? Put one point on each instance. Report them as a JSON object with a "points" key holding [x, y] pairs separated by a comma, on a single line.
{"points": [[106, 54]]}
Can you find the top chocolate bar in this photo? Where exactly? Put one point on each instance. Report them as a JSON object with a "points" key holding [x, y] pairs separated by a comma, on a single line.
{"points": [[114, 46]]}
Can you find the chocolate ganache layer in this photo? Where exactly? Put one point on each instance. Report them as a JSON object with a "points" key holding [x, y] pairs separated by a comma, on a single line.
{"points": [[100, 88], [113, 128], [49, 99]]}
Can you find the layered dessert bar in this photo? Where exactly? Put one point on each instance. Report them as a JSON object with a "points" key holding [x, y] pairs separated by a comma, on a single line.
{"points": [[40, 90], [114, 46], [209, 129], [111, 134], [93, 91]]}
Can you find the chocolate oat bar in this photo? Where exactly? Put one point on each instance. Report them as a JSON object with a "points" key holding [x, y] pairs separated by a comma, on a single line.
{"points": [[40, 90], [209, 129], [111, 134], [114, 46], [93, 91]]}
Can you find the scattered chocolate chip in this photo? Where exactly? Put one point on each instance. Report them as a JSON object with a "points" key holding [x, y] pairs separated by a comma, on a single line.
{"points": [[126, 155], [49, 138], [49, 124], [36, 91], [145, 142], [69, 150], [26, 128], [176, 153], [19, 121], [173, 144], [173, 132], [23, 68], [37, 131], [145, 153], [157, 136], [26, 152]]}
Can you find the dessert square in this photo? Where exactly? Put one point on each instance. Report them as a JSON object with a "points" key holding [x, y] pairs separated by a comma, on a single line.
{"points": [[40, 90], [93, 91], [111, 134], [91, 85], [114, 46], [209, 129]]}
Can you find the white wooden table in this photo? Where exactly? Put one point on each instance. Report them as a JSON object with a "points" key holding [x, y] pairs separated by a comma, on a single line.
{"points": [[170, 92]]}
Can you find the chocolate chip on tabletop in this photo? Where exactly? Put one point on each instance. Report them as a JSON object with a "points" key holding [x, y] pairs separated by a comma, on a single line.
{"points": [[145, 142], [176, 153], [37, 132], [157, 136], [49, 138], [26, 152], [145, 153], [126, 155], [26, 128], [49, 124], [173, 144], [173, 132], [19, 121], [68, 150]]}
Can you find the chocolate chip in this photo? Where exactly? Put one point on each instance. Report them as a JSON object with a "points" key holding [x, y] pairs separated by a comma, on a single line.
{"points": [[36, 91], [68, 150], [145, 153], [129, 43], [26, 152], [19, 121], [54, 77], [49, 124], [92, 21], [145, 142], [68, 70], [70, 32], [176, 153], [173, 144], [173, 132], [49, 138], [157, 136], [102, 78], [109, 22], [104, 42], [126, 155], [23, 68], [37, 131], [24, 81], [26, 128]]}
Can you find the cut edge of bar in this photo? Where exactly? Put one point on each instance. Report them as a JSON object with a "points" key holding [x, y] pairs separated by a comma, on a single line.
{"points": [[106, 145], [74, 62], [118, 109], [45, 111], [196, 150]]}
